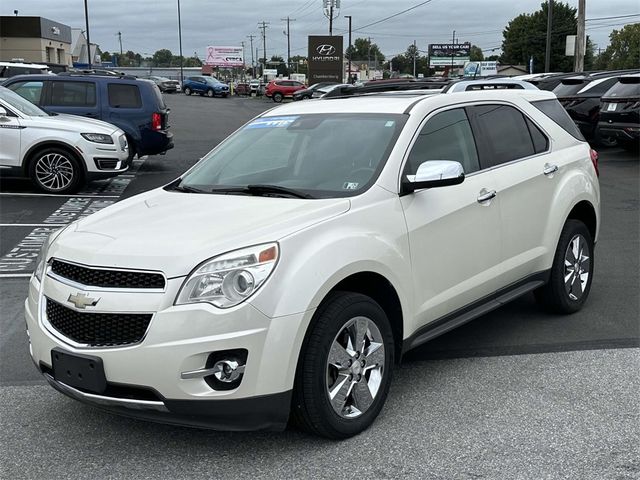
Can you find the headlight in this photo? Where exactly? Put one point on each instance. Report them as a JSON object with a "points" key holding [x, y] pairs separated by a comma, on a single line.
{"points": [[229, 279], [97, 137], [41, 259]]}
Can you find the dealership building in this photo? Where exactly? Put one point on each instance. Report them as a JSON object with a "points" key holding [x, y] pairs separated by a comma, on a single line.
{"points": [[34, 39]]}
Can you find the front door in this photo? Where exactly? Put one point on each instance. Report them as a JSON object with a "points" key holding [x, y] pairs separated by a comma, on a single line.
{"points": [[10, 133], [454, 231]]}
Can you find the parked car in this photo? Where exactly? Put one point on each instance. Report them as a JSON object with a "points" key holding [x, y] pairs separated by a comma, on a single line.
{"points": [[134, 105], [330, 90], [620, 112], [580, 96], [11, 69], [288, 271], [277, 90], [165, 85], [203, 85], [548, 81], [242, 88], [307, 93], [59, 153], [256, 87]]}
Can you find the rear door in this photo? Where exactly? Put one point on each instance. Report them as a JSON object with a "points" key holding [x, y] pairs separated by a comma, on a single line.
{"points": [[74, 98], [126, 109], [526, 176]]}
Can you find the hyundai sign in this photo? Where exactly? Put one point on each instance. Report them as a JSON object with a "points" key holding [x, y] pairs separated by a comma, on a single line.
{"points": [[325, 59]]}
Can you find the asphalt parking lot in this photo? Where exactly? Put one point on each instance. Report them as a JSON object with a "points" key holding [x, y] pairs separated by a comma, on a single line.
{"points": [[518, 393]]}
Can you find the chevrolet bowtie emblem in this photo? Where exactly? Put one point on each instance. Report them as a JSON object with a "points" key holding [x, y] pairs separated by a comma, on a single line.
{"points": [[82, 301]]}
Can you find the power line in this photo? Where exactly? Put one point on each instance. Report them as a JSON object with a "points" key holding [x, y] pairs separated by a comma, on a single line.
{"points": [[392, 16]]}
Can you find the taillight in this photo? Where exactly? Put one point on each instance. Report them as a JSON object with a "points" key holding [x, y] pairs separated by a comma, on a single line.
{"points": [[594, 160], [156, 121]]}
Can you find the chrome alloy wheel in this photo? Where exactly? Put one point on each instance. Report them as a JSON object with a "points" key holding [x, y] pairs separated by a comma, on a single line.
{"points": [[355, 367], [577, 267], [54, 171]]}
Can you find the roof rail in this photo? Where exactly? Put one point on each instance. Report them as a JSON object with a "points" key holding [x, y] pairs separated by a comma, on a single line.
{"points": [[81, 73], [369, 88], [495, 84]]}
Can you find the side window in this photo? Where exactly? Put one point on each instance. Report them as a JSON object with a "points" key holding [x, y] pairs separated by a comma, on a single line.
{"points": [[445, 136], [540, 141], [124, 95], [504, 134], [73, 94], [31, 91]]}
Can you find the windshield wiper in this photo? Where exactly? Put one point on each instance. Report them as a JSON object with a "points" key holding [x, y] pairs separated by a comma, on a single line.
{"points": [[186, 189], [261, 189], [264, 188]]}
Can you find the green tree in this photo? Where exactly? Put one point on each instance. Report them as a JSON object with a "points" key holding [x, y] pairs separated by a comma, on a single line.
{"points": [[162, 58], [105, 56], [364, 49], [191, 62], [476, 54], [279, 63], [624, 49], [299, 64], [525, 37]]}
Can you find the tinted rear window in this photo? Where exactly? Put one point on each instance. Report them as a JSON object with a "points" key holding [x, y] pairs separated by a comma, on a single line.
{"points": [[628, 89], [122, 95], [73, 94], [553, 110], [601, 87], [569, 87]]}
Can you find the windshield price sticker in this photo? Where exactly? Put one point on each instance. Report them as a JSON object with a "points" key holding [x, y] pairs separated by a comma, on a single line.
{"points": [[272, 122]]}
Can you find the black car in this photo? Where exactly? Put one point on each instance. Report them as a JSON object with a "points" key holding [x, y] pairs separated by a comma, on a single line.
{"points": [[134, 105], [307, 93], [580, 96], [620, 112], [166, 85], [549, 81]]}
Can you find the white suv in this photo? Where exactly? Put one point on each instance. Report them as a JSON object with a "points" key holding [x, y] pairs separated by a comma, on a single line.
{"points": [[60, 152], [289, 270]]}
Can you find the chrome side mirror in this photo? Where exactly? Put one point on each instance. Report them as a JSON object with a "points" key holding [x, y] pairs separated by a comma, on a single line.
{"points": [[432, 174]]}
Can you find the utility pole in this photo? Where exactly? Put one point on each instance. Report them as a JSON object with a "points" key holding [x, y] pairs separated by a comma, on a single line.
{"points": [[350, 50], [86, 19], [120, 40], [369, 60], [453, 41], [414, 58], [263, 26], [287, 33], [547, 54], [180, 44], [243, 64], [580, 38], [253, 66], [330, 6]]}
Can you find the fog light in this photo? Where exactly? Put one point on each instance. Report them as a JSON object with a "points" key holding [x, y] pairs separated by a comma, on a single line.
{"points": [[228, 370], [223, 371]]}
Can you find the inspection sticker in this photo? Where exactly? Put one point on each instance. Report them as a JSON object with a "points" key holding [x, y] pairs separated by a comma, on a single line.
{"points": [[271, 122]]}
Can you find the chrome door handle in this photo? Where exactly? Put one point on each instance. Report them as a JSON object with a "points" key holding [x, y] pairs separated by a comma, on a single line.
{"points": [[549, 169], [485, 195]]}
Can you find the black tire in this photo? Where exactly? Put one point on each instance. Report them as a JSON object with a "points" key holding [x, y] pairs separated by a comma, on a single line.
{"points": [[277, 97], [61, 164], [210, 93], [604, 141], [554, 295], [225, 95], [187, 91], [312, 409], [132, 149]]}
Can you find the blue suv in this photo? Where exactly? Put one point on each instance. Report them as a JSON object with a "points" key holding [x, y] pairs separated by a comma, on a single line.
{"points": [[136, 106], [209, 86]]}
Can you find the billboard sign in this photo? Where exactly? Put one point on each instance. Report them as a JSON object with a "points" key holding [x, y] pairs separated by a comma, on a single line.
{"points": [[451, 54], [226, 57], [325, 59], [480, 69]]}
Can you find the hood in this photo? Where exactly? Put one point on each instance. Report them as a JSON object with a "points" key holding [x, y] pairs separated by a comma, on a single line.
{"points": [[174, 231], [75, 123]]}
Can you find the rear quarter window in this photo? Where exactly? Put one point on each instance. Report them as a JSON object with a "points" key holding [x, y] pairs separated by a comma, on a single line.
{"points": [[124, 95], [624, 89], [552, 109]]}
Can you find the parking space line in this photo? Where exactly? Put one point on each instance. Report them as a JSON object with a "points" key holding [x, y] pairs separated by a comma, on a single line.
{"points": [[15, 275], [86, 195], [33, 224]]}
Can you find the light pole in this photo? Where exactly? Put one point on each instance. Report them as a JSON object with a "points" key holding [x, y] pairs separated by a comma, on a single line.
{"points": [[180, 43], [86, 19], [350, 50]]}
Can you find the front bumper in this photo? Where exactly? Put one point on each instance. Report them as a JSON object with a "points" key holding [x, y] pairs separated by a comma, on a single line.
{"points": [[179, 339]]}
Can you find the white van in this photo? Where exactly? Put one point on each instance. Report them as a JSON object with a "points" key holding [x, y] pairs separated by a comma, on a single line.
{"points": [[10, 69]]}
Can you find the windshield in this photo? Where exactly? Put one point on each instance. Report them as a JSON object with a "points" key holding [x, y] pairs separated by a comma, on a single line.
{"points": [[212, 80], [321, 155], [18, 103]]}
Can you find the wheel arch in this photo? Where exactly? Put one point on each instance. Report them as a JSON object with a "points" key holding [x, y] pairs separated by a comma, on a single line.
{"points": [[30, 154], [586, 213]]}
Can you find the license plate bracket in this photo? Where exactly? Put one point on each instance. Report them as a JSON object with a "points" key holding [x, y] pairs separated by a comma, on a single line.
{"points": [[85, 372]]}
